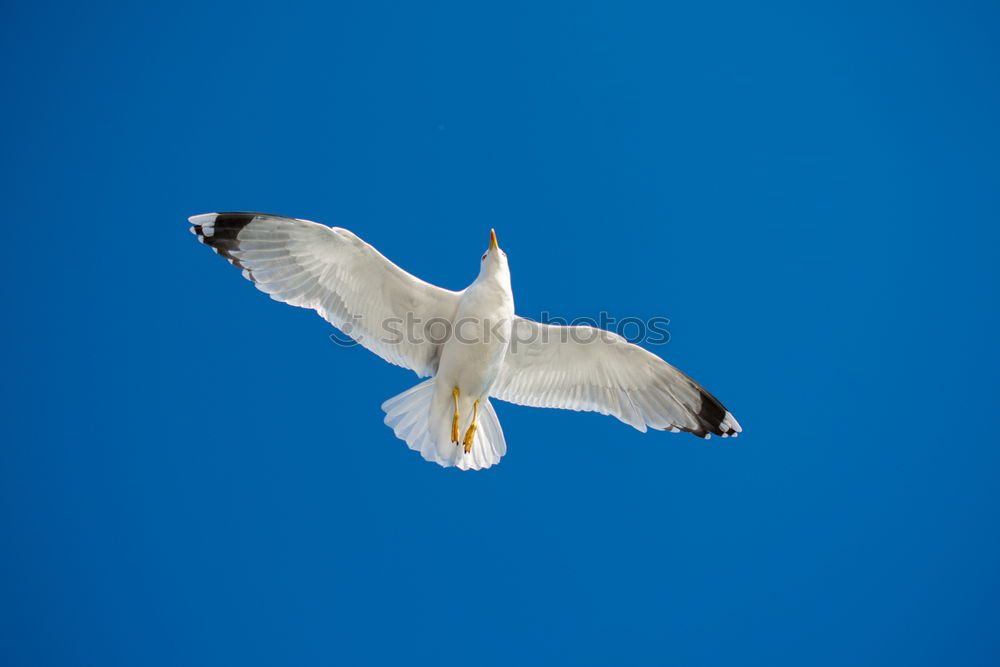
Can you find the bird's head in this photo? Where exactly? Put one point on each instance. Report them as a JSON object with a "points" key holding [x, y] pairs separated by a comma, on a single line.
{"points": [[494, 259]]}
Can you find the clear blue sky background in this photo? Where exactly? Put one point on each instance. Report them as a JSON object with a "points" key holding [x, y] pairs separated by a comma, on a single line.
{"points": [[192, 474]]}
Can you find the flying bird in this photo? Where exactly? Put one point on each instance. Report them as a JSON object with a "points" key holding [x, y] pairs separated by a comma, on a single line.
{"points": [[481, 350]]}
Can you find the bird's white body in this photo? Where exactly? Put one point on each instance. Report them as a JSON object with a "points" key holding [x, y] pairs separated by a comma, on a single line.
{"points": [[473, 356], [488, 351]]}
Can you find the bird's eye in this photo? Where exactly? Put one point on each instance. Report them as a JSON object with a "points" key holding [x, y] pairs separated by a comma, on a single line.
{"points": [[484, 255]]}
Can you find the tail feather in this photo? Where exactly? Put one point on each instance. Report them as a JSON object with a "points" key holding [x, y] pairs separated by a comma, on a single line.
{"points": [[409, 415], [493, 438]]}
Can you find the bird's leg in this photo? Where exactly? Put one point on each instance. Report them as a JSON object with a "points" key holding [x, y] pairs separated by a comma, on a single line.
{"points": [[454, 421], [471, 433]]}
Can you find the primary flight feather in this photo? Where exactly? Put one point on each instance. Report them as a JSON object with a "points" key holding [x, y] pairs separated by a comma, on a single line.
{"points": [[480, 349]]}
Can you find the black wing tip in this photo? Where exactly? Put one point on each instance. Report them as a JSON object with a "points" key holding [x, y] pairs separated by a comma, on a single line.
{"points": [[711, 414], [713, 419], [219, 231]]}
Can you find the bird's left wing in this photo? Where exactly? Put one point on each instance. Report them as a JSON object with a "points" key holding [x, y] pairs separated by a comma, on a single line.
{"points": [[588, 369], [332, 271]]}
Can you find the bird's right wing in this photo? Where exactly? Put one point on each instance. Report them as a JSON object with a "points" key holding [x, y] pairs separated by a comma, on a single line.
{"points": [[332, 271], [587, 369]]}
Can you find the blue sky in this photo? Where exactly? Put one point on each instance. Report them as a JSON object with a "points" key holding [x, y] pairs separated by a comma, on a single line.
{"points": [[192, 474]]}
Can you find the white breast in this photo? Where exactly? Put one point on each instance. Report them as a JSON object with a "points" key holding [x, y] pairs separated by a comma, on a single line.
{"points": [[472, 356]]}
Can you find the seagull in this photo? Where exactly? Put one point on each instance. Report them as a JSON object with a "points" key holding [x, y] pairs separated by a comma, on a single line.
{"points": [[469, 343]]}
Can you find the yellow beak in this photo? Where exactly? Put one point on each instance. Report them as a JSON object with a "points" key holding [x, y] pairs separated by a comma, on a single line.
{"points": [[493, 240]]}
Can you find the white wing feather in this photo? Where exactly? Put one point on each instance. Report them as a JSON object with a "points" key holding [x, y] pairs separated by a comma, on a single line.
{"points": [[332, 271], [587, 369]]}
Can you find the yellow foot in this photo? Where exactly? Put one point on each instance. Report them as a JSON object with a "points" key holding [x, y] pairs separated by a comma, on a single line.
{"points": [[454, 421], [471, 433]]}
